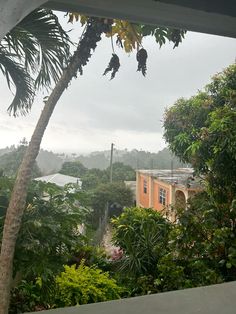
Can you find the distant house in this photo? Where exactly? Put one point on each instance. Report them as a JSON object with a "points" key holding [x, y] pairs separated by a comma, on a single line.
{"points": [[163, 189], [60, 179]]}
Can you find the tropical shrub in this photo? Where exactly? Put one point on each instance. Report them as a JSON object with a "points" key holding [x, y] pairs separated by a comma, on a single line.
{"points": [[49, 237], [206, 232], [161, 256], [142, 234], [84, 285]]}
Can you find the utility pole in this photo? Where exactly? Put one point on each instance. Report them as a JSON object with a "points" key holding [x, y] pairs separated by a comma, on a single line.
{"points": [[111, 161]]}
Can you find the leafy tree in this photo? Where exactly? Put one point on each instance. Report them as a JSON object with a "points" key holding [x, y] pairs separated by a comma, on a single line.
{"points": [[6, 186], [137, 159], [201, 131], [94, 29], [121, 172], [49, 237], [93, 178], [206, 233], [111, 193], [7, 149], [111, 197], [73, 168], [162, 256], [142, 234], [10, 162]]}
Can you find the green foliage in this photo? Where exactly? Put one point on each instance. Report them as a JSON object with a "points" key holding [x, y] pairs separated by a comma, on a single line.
{"points": [[112, 196], [161, 256], [163, 34], [91, 256], [91, 178], [97, 193], [47, 162], [206, 232], [49, 237], [6, 186], [129, 35], [121, 172], [73, 168], [50, 230], [84, 285], [174, 274], [201, 130], [142, 234], [10, 162], [134, 158], [33, 55], [111, 193], [27, 297]]}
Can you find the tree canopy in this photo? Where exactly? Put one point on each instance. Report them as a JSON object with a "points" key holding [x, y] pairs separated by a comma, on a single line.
{"points": [[10, 162], [201, 131]]}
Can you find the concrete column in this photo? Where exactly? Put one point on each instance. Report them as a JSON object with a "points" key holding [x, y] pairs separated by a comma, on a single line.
{"points": [[13, 11], [150, 184]]}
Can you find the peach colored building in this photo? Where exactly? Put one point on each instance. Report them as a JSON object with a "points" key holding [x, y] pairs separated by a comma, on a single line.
{"points": [[163, 189]]}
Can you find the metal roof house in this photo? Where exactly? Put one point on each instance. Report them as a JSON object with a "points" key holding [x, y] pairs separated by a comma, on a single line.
{"points": [[60, 179]]}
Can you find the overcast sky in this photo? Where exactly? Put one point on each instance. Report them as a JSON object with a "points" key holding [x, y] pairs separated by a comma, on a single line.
{"points": [[128, 110]]}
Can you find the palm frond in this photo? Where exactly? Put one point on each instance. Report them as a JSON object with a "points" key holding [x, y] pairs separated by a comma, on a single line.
{"points": [[42, 44], [15, 73], [33, 55]]}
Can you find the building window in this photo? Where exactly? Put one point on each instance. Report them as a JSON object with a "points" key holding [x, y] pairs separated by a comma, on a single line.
{"points": [[145, 186], [162, 196]]}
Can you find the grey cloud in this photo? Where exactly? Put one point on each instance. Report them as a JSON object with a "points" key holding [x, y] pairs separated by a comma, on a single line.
{"points": [[131, 104]]}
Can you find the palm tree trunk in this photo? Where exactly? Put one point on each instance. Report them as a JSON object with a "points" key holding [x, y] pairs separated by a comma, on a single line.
{"points": [[92, 35]]}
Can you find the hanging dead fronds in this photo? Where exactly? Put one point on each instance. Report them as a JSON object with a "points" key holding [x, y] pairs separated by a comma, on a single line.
{"points": [[142, 61], [113, 66]]}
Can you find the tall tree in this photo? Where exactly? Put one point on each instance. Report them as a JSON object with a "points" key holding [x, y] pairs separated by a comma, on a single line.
{"points": [[201, 131], [94, 30], [95, 27]]}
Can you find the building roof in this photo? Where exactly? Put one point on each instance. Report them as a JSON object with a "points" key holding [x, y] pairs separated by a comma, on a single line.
{"points": [[215, 299], [180, 176], [208, 16], [59, 179]]}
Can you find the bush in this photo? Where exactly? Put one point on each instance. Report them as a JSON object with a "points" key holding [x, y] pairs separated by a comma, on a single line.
{"points": [[142, 234], [84, 285]]}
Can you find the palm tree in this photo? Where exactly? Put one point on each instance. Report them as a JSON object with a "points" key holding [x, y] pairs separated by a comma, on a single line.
{"points": [[94, 29], [92, 34], [33, 56]]}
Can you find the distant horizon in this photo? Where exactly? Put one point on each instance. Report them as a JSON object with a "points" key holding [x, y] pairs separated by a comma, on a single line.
{"points": [[70, 152]]}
